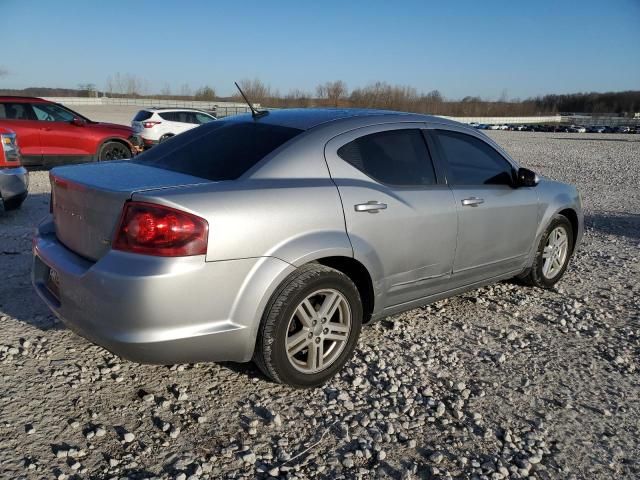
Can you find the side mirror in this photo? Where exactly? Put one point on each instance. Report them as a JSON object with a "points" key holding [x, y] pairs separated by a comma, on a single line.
{"points": [[526, 178], [78, 122]]}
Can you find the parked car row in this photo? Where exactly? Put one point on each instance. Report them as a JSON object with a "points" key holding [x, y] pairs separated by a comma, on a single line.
{"points": [[557, 128]]}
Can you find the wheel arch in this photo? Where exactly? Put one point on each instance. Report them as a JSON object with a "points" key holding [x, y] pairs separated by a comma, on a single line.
{"points": [[572, 216], [359, 275], [121, 140]]}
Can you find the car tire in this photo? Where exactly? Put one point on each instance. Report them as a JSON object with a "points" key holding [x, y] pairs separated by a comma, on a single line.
{"points": [[11, 204], [553, 254], [288, 325], [114, 151], [165, 137]]}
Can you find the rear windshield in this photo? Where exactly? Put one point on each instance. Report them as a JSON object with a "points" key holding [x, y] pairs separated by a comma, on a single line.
{"points": [[142, 115], [218, 150]]}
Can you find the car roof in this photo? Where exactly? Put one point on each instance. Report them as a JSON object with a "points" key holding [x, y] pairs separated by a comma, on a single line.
{"points": [[174, 109], [19, 99], [307, 118]]}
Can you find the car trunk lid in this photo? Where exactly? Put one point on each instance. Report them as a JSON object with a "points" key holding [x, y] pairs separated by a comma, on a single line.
{"points": [[88, 200]]}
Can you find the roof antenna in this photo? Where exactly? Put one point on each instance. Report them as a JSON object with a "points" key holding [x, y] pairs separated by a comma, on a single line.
{"points": [[254, 113]]}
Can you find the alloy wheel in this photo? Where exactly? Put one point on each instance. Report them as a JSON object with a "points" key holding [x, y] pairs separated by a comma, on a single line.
{"points": [[318, 331], [555, 252]]}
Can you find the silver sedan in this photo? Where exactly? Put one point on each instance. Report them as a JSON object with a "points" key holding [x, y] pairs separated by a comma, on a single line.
{"points": [[276, 237]]}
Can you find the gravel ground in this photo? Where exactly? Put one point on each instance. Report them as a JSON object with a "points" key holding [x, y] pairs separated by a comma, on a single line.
{"points": [[502, 382]]}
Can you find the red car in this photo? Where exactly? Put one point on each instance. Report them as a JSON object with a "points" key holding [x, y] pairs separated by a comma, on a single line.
{"points": [[51, 134]]}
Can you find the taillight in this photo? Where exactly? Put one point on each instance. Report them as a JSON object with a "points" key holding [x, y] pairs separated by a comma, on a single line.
{"points": [[150, 124], [162, 231], [9, 152]]}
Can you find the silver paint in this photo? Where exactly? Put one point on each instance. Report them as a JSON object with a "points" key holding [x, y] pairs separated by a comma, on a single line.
{"points": [[300, 204]]}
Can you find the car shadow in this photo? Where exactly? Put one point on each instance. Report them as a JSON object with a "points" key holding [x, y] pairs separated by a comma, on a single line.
{"points": [[18, 300], [613, 223]]}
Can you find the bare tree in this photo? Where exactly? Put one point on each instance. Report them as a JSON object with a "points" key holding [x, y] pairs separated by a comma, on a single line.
{"points": [[205, 93], [88, 89], [108, 86], [333, 92], [132, 85], [126, 84], [255, 90], [185, 90], [166, 90]]}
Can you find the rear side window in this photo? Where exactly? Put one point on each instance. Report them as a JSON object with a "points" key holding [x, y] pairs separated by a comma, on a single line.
{"points": [[142, 115], [16, 111], [170, 116], [394, 157], [218, 150], [472, 161]]}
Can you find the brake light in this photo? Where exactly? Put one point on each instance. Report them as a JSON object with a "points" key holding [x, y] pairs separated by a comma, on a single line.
{"points": [[9, 151], [150, 124], [152, 229]]}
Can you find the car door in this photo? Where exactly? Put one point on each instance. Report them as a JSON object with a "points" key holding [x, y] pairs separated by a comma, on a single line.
{"points": [[184, 121], [61, 139], [496, 221], [399, 215], [20, 118]]}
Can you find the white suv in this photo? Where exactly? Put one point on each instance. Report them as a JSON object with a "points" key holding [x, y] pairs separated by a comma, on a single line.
{"points": [[155, 125]]}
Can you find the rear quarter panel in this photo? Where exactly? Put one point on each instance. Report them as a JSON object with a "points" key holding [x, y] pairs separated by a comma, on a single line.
{"points": [[286, 207]]}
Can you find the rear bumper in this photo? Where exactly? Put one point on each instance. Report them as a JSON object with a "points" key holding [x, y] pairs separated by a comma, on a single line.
{"points": [[154, 309], [14, 183]]}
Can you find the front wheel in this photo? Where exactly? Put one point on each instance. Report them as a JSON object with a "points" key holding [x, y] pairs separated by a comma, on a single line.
{"points": [[310, 327], [114, 151], [553, 254]]}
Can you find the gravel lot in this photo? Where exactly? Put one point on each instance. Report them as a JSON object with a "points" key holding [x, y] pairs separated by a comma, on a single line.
{"points": [[502, 382]]}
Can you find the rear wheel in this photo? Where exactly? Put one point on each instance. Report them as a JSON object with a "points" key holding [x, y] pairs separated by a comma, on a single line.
{"points": [[12, 203], [164, 138], [114, 151], [310, 327], [552, 256]]}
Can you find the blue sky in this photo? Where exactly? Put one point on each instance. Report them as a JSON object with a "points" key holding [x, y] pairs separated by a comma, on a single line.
{"points": [[477, 47]]}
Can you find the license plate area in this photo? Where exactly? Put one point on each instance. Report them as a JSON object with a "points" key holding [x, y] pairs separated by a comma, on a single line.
{"points": [[52, 282]]}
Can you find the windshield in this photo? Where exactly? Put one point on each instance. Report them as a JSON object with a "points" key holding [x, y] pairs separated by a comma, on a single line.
{"points": [[220, 150]]}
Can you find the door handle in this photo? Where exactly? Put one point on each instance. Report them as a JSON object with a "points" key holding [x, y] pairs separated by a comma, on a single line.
{"points": [[46, 129], [371, 206], [472, 202]]}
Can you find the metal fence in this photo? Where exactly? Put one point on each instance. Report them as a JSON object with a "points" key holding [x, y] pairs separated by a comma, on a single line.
{"points": [[221, 109]]}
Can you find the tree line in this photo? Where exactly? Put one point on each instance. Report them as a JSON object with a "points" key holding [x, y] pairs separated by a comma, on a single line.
{"points": [[379, 95]]}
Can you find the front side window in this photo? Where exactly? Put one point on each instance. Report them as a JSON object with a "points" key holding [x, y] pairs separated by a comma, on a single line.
{"points": [[48, 112], [191, 118], [472, 161], [221, 150], [394, 157], [202, 118]]}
